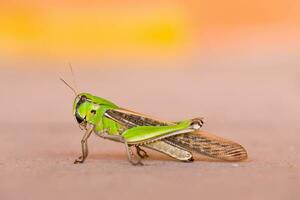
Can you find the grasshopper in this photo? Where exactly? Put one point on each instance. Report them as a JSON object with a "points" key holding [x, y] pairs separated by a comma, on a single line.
{"points": [[178, 140]]}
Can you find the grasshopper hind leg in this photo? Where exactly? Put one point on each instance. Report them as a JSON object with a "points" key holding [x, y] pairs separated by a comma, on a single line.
{"points": [[141, 152]]}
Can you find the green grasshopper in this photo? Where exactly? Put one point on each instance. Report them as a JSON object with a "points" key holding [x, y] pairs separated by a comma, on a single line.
{"points": [[175, 139]]}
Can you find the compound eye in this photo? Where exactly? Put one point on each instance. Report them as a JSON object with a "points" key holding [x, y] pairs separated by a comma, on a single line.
{"points": [[82, 99]]}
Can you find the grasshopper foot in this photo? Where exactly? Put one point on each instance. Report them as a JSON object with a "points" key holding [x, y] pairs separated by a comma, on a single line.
{"points": [[79, 160], [136, 163], [141, 152]]}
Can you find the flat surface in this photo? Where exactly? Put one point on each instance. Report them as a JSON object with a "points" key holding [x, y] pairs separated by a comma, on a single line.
{"points": [[257, 107]]}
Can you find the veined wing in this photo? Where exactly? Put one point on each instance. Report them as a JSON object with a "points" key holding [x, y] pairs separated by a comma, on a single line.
{"points": [[209, 145], [198, 141], [130, 118]]}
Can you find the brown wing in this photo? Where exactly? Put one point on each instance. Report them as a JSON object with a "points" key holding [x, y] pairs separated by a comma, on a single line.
{"points": [[130, 119], [210, 145]]}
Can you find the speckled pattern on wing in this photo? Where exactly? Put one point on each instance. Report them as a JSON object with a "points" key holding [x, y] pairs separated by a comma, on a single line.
{"points": [[210, 145]]}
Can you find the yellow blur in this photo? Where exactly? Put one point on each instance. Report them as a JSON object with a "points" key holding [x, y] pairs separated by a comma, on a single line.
{"points": [[81, 29], [91, 32]]}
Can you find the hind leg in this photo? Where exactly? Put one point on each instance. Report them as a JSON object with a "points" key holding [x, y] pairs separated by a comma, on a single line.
{"points": [[141, 152]]}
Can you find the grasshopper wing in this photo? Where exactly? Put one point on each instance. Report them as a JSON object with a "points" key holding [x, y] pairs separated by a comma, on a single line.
{"points": [[210, 145], [197, 141], [131, 119]]}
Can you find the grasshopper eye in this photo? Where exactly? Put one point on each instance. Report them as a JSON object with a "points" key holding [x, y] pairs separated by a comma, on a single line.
{"points": [[93, 111], [82, 99]]}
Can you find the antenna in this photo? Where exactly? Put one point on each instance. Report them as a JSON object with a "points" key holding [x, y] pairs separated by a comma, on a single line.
{"points": [[68, 85], [73, 77]]}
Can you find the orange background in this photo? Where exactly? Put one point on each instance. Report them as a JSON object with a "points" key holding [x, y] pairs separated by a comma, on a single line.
{"points": [[86, 31]]}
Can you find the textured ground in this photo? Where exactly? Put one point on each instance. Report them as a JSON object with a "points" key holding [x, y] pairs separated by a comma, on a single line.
{"points": [[255, 106]]}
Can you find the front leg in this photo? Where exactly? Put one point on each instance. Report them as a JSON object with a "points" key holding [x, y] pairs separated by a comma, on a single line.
{"points": [[84, 146]]}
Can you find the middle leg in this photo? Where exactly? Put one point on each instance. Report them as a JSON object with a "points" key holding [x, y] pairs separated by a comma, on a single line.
{"points": [[119, 138]]}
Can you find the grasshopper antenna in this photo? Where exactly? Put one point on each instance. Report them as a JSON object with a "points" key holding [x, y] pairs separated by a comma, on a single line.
{"points": [[73, 75], [68, 85]]}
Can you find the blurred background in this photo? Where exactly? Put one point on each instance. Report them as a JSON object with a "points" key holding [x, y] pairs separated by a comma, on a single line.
{"points": [[94, 31], [234, 62]]}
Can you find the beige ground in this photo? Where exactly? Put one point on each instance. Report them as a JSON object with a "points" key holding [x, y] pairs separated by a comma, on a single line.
{"points": [[255, 103]]}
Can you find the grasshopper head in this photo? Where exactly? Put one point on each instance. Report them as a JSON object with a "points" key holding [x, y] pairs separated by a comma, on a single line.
{"points": [[86, 105], [82, 105]]}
